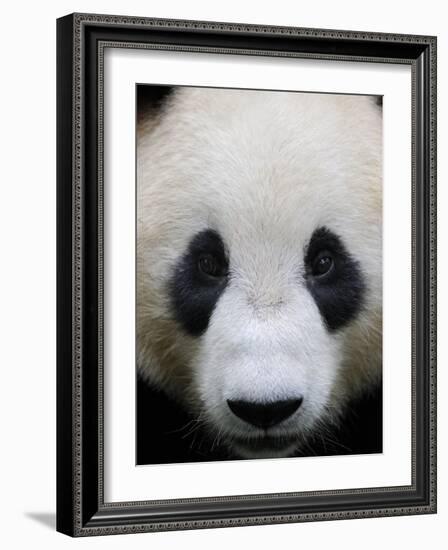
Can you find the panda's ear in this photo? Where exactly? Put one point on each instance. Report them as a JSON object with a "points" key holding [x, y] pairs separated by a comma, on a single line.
{"points": [[378, 99], [151, 98]]}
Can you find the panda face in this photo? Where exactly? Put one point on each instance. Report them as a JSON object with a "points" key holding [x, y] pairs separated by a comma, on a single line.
{"points": [[267, 267], [268, 348]]}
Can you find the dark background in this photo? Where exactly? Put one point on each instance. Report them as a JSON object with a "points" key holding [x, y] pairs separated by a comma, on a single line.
{"points": [[163, 431]]}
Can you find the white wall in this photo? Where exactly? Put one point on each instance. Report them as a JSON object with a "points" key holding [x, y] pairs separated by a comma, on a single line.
{"points": [[27, 219]]}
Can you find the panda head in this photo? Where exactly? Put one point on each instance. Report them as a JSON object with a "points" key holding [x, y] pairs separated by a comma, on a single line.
{"points": [[259, 260]]}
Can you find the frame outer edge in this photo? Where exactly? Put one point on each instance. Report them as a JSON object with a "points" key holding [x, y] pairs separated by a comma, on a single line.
{"points": [[433, 271], [222, 26], [65, 371], [69, 453], [78, 259]]}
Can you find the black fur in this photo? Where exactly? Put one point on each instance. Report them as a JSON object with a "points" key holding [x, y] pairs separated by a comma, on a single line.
{"points": [[339, 295], [150, 96], [194, 294], [379, 100]]}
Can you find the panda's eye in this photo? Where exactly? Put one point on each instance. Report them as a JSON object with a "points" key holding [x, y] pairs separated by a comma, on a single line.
{"points": [[323, 264], [209, 265]]}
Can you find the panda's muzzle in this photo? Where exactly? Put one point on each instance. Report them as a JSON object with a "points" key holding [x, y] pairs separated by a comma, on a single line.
{"points": [[264, 415]]}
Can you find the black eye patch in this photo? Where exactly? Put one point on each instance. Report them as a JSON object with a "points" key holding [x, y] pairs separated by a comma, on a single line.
{"points": [[339, 290], [194, 290]]}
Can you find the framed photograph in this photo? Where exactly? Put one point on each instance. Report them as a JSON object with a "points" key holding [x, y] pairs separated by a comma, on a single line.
{"points": [[246, 274]]}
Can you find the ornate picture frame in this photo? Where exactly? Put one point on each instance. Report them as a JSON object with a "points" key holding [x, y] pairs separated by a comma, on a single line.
{"points": [[81, 506]]}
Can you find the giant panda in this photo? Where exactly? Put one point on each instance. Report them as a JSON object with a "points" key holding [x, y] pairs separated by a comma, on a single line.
{"points": [[259, 274]]}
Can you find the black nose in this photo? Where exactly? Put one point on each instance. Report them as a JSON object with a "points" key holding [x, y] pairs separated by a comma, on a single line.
{"points": [[264, 415]]}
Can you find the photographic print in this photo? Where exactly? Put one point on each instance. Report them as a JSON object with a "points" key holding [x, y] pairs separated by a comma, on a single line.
{"points": [[259, 274]]}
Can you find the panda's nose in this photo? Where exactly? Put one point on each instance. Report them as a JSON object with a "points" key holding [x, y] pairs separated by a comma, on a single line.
{"points": [[264, 415]]}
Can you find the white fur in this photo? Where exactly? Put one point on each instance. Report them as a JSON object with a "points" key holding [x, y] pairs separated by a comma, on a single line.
{"points": [[264, 169]]}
